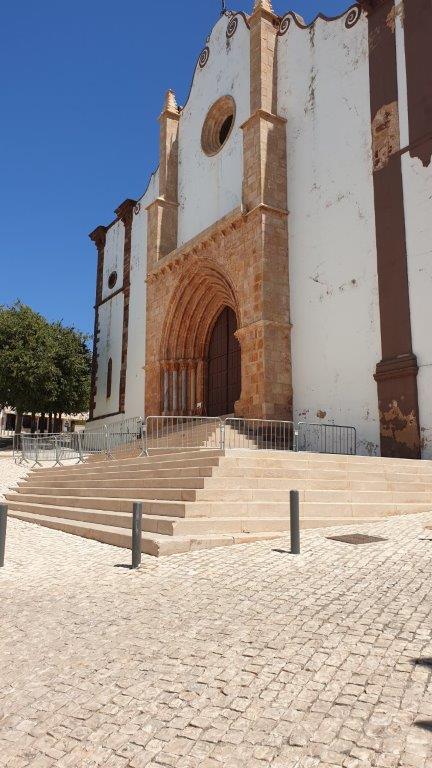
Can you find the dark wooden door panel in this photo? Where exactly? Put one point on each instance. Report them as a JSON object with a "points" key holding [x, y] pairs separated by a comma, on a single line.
{"points": [[224, 365]]}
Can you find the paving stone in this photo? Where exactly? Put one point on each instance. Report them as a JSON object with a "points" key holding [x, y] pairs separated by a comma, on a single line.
{"points": [[233, 658]]}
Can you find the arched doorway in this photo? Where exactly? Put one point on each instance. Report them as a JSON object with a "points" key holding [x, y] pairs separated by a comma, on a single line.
{"points": [[223, 365]]}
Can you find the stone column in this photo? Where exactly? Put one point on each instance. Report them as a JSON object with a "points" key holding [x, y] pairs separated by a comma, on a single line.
{"points": [[192, 386], [166, 383], [183, 387], [175, 389], [200, 385], [98, 236]]}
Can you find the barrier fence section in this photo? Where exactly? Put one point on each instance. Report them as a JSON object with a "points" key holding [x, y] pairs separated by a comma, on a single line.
{"points": [[179, 432], [327, 438], [112, 440], [138, 436], [259, 434]]}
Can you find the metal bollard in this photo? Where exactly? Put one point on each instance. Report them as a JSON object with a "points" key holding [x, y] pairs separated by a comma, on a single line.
{"points": [[295, 522], [136, 534], [3, 525]]}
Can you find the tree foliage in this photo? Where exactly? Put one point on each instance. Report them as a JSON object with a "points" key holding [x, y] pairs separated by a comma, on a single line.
{"points": [[44, 367]]}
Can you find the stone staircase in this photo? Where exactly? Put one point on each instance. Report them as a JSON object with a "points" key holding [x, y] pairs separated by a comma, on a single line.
{"points": [[197, 499]]}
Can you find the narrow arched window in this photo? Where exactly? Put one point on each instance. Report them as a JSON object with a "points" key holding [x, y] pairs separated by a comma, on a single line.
{"points": [[109, 378]]}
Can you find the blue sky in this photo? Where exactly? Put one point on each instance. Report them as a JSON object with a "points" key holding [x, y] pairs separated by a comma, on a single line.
{"points": [[81, 86]]}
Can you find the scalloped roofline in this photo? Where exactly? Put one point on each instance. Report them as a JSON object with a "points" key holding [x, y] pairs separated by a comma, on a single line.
{"points": [[353, 13]]}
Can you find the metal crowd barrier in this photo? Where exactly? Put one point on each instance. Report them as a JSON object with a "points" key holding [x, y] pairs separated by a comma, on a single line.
{"points": [[259, 434], [142, 436], [113, 440], [327, 438], [179, 432]]}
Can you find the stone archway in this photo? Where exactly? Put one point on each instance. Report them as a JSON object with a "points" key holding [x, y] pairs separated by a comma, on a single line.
{"points": [[200, 298]]}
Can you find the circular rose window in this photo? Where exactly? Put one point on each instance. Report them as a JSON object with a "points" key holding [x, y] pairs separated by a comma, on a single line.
{"points": [[112, 279], [218, 125]]}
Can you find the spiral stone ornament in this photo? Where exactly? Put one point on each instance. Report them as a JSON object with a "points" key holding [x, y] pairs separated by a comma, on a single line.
{"points": [[285, 25], [353, 16], [232, 27], [204, 57]]}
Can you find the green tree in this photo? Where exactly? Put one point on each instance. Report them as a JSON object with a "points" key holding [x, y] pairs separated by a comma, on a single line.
{"points": [[44, 367], [72, 361], [27, 378]]}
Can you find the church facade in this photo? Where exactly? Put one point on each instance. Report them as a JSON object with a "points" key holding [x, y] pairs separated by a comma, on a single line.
{"points": [[279, 263]]}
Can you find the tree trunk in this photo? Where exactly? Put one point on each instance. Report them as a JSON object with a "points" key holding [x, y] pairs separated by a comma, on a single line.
{"points": [[18, 422], [50, 423], [42, 423], [33, 423]]}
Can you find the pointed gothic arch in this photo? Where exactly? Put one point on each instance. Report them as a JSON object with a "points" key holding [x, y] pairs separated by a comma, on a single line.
{"points": [[197, 302]]}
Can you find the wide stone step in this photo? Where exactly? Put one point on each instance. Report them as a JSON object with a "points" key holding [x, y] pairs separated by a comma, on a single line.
{"points": [[240, 494], [170, 459], [151, 543], [168, 526], [206, 509], [179, 480]]}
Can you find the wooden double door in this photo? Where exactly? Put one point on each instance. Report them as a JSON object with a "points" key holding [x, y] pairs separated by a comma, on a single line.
{"points": [[224, 365]]}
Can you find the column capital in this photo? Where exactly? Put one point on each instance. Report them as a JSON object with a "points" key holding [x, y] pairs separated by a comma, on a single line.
{"points": [[125, 211], [98, 236]]}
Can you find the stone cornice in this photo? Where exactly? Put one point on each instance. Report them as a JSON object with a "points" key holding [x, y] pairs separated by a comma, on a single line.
{"points": [[98, 236], [397, 367], [264, 208], [125, 210], [264, 115], [163, 203]]}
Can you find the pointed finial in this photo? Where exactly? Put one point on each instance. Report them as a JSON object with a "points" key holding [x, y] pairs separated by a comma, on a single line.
{"points": [[170, 103], [263, 5]]}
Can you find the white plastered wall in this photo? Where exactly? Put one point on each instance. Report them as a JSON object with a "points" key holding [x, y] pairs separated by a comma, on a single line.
{"points": [[323, 82], [110, 323], [113, 258], [135, 375], [109, 346], [211, 187], [417, 186]]}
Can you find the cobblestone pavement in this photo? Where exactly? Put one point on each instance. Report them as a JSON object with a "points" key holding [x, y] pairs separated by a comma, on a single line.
{"points": [[10, 473], [237, 657]]}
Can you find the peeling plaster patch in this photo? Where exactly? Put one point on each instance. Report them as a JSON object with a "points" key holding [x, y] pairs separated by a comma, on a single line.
{"points": [[399, 427], [385, 134], [321, 414]]}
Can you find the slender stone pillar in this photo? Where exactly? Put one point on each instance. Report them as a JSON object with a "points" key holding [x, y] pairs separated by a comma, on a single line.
{"points": [[192, 386], [175, 389], [166, 382], [183, 386], [200, 385], [98, 236]]}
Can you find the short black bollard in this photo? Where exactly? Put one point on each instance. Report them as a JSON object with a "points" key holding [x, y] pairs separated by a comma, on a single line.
{"points": [[295, 522], [136, 534], [3, 525]]}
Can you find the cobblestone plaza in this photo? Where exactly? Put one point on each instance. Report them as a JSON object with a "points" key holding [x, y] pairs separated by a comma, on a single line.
{"points": [[242, 656]]}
